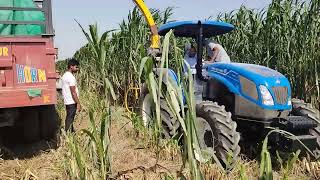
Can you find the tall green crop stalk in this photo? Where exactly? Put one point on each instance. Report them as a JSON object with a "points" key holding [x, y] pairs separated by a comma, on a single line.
{"points": [[88, 156], [98, 47], [95, 157], [124, 50], [266, 172], [75, 159], [173, 95], [265, 164], [100, 142]]}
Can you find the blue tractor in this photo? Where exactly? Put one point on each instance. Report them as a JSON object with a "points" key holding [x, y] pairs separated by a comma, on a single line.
{"points": [[240, 102]]}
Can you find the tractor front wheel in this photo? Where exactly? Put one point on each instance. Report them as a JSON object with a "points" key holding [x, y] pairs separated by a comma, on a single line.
{"points": [[147, 111], [216, 130]]}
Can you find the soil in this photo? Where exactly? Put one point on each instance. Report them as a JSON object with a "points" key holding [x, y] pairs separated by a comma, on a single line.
{"points": [[129, 161]]}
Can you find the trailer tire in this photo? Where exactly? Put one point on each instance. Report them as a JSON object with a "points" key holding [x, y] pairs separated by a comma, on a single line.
{"points": [[31, 125], [300, 108], [217, 130], [49, 122], [170, 123]]}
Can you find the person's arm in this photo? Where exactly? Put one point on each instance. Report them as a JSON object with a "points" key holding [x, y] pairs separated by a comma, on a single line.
{"points": [[75, 97], [215, 54]]}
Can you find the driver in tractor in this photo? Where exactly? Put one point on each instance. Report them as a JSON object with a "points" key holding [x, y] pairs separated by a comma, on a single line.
{"points": [[190, 58], [216, 53]]}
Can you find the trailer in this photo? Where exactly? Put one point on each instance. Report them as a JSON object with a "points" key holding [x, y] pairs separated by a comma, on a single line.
{"points": [[27, 70]]}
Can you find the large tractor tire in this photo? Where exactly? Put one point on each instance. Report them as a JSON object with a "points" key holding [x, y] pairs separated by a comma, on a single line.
{"points": [[31, 124], [147, 111], [49, 122], [300, 108], [217, 130]]}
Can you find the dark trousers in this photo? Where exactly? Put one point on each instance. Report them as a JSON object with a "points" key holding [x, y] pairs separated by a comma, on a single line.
{"points": [[71, 113]]}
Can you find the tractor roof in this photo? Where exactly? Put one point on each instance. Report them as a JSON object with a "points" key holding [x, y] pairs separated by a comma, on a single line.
{"points": [[191, 28]]}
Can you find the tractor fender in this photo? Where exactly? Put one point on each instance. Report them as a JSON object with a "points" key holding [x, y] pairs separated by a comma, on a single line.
{"points": [[167, 74], [232, 88]]}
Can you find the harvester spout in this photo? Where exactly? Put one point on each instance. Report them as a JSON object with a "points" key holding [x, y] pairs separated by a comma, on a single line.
{"points": [[155, 38]]}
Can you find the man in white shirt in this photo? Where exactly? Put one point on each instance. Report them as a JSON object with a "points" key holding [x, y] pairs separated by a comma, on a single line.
{"points": [[70, 93], [216, 53]]}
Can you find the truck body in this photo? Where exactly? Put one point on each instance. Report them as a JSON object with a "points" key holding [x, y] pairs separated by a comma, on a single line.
{"points": [[27, 66]]}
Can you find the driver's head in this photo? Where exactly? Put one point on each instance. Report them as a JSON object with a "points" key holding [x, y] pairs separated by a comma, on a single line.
{"points": [[192, 52]]}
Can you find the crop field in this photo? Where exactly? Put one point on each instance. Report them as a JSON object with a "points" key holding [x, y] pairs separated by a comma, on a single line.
{"points": [[112, 143]]}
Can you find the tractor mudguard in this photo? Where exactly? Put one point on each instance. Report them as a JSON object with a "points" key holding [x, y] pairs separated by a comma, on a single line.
{"points": [[168, 74]]}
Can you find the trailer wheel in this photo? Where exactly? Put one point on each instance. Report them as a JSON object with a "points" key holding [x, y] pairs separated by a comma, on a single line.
{"points": [[170, 124], [31, 125], [300, 108], [49, 122], [216, 130]]}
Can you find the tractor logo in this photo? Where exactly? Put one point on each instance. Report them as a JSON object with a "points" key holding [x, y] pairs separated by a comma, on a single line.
{"points": [[278, 81]]}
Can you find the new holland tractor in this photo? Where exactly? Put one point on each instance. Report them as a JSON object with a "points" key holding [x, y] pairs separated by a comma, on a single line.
{"points": [[239, 102]]}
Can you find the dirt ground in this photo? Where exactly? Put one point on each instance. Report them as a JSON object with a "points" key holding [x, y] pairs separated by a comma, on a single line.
{"points": [[129, 159], [132, 158]]}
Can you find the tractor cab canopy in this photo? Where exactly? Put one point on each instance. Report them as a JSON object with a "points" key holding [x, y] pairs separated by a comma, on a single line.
{"points": [[200, 30], [192, 28]]}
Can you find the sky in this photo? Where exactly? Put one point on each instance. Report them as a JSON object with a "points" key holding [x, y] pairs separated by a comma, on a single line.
{"points": [[108, 14]]}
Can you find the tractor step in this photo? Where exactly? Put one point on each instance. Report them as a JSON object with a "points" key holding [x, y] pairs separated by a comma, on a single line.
{"points": [[295, 123]]}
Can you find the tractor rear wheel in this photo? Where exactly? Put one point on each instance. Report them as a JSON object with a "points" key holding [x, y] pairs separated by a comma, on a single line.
{"points": [[217, 130], [147, 111], [300, 108]]}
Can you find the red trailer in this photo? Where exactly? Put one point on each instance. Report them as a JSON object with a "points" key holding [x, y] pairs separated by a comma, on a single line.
{"points": [[28, 76]]}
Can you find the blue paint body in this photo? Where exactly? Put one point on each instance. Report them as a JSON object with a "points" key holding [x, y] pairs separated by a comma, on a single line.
{"points": [[229, 74], [191, 28]]}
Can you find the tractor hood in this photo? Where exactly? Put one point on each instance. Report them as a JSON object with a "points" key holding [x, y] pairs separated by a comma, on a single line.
{"points": [[241, 78], [249, 70]]}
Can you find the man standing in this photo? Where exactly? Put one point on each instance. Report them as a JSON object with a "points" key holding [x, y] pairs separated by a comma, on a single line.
{"points": [[216, 53], [70, 93]]}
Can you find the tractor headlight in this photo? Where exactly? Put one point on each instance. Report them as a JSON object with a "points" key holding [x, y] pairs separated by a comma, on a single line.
{"points": [[266, 96]]}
